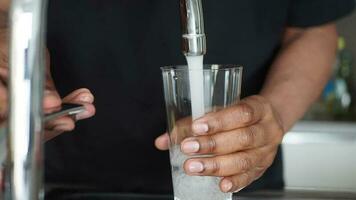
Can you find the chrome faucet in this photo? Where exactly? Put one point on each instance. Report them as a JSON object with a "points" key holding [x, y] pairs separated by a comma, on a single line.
{"points": [[24, 167], [192, 24]]}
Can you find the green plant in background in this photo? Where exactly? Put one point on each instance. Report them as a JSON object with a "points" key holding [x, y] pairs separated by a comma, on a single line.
{"points": [[335, 101]]}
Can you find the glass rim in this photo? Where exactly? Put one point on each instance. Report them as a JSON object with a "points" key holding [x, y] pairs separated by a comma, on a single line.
{"points": [[219, 67]]}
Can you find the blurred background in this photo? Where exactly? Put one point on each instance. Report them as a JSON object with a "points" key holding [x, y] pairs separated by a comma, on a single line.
{"points": [[338, 101], [319, 152]]}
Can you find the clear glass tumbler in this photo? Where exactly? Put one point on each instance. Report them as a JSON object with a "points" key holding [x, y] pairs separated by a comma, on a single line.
{"points": [[190, 93]]}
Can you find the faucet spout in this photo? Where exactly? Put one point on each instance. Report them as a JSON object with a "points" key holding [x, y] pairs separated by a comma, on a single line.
{"points": [[23, 169], [192, 24]]}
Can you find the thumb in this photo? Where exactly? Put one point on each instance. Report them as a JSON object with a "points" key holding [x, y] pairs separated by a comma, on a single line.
{"points": [[51, 100], [162, 142]]}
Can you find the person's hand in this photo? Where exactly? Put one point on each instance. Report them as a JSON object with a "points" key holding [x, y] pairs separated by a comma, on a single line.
{"points": [[51, 101], [58, 126], [243, 140]]}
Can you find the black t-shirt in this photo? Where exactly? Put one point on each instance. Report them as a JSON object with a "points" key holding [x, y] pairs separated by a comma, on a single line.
{"points": [[116, 48]]}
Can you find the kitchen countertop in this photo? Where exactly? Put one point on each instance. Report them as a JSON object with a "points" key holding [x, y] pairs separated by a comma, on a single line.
{"points": [[266, 195]]}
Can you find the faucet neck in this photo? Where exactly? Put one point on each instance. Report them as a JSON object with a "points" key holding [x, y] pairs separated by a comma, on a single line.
{"points": [[24, 168], [192, 24]]}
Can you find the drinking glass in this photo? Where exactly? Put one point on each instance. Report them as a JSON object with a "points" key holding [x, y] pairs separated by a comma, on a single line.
{"points": [[189, 94]]}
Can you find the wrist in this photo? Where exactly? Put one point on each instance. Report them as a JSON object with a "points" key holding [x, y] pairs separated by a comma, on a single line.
{"points": [[280, 113]]}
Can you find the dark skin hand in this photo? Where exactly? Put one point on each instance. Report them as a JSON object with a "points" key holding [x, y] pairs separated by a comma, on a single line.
{"points": [[243, 139], [51, 101]]}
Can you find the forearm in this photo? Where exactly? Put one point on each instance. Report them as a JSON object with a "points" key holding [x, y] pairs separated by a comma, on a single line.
{"points": [[300, 71]]}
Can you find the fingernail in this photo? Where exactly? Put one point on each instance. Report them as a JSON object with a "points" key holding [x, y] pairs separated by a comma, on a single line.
{"points": [[165, 137], [190, 146], [86, 99], [164, 141], [226, 185], [195, 167], [48, 92], [82, 115], [200, 128], [59, 127]]}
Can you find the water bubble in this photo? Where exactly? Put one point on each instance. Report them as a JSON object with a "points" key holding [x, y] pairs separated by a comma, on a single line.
{"points": [[193, 187]]}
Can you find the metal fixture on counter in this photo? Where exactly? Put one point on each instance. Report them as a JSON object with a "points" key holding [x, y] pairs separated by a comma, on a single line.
{"points": [[24, 165], [193, 35]]}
